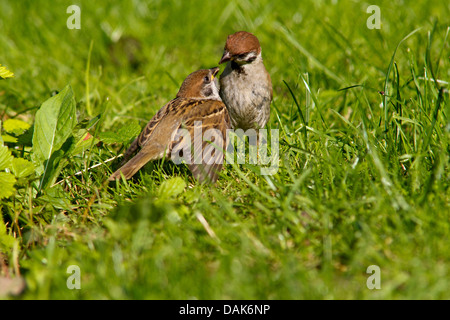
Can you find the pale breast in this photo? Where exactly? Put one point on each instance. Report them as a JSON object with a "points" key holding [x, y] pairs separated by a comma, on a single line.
{"points": [[247, 93]]}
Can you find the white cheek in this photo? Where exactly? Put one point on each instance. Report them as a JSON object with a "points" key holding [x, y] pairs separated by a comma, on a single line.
{"points": [[247, 58], [215, 90], [251, 55], [216, 83]]}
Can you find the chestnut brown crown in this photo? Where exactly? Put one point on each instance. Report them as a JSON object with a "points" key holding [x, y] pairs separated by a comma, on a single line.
{"points": [[239, 45], [200, 85]]}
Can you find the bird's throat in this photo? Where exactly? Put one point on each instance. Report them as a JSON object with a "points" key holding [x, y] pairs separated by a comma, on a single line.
{"points": [[237, 67]]}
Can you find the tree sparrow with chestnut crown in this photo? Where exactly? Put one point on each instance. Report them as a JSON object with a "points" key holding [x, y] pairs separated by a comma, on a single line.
{"points": [[197, 100], [245, 85]]}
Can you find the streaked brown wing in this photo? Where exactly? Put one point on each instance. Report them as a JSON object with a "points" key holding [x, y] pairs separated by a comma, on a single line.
{"points": [[156, 138], [211, 120], [147, 131], [176, 109]]}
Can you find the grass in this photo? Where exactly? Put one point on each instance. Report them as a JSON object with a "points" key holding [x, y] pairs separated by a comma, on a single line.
{"points": [[363, 177]]}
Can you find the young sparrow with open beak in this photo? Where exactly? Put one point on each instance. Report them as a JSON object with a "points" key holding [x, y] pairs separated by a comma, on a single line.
{"points": [[197, 106], [245, 85]]}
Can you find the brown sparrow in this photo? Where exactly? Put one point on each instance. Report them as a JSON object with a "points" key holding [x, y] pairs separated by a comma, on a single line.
{"points": [[196, 109], [245, 85]]}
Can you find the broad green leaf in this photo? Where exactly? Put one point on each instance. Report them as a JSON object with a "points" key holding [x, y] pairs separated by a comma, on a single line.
{"points": [[130, 130], [172, 187], [123, 134], [54, 123], [110, 137], [15, 126], [5, 73], [56, 163], [22, 167], [6, 240], [5, 158], [8, 138], [7, 181]]}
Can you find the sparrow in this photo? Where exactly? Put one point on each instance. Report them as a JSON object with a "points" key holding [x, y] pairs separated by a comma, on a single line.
{"points": [[245, 85], [197, 106]]}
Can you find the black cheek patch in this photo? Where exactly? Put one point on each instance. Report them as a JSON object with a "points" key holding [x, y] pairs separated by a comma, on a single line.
{"points": [[207, 91]]}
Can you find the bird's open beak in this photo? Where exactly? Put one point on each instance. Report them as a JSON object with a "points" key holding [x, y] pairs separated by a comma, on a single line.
{"points": [[226, 57], [214, 72]]}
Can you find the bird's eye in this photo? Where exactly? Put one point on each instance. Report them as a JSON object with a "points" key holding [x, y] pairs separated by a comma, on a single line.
{"points": [[206, 79]]}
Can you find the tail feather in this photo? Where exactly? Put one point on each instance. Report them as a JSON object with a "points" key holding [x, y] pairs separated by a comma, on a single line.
{"points": [[206, 172], [211, 164], [131, 167]]}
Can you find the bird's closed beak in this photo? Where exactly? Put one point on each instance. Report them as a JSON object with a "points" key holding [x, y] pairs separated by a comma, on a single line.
{"points": [[226, 57]]}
